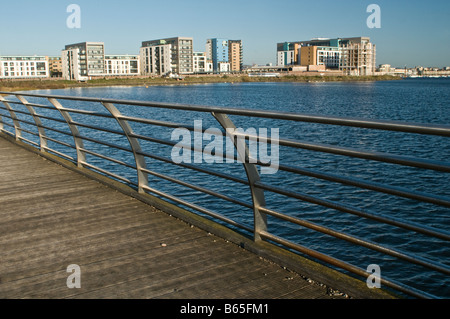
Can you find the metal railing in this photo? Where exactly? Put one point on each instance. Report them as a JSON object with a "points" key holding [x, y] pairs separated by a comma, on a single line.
{"points": [[48, 126]]}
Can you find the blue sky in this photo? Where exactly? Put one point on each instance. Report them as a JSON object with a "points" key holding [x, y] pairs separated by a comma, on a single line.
{"points": [[412, 32]]}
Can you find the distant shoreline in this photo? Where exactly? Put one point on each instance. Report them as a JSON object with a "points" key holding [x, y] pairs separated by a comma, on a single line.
{"points": [[26, 85]]}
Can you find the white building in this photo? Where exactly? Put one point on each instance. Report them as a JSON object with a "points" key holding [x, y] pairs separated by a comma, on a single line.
{"points": [[224, 67], [286, 57], [71, 65], [122, 65], [201, 63], [156, 59], [181, 56], [23, 67], [84, 60], [329, 56]]}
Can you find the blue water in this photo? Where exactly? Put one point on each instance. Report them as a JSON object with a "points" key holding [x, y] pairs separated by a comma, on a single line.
{"points": [[414, 100]]}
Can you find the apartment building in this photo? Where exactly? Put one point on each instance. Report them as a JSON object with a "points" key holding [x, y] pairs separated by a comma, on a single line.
{"points": [[156, 59], [329, 57], [122, 65], [23, 67], [236, 55], [226, 55], [201, 63], [219, 52], [181, 54], [353, 56], [54, 66], [287, 57], [358, 57], [288, 53], [82, 61]]}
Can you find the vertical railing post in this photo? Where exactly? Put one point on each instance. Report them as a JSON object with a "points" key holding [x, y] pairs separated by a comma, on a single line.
{"points": [[258, 198], [1, 120], [81, 156], [135, 146], [17, 129], [37, 120]]}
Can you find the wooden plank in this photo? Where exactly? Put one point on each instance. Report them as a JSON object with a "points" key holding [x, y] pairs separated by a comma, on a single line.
{"points": [[51, 217]]}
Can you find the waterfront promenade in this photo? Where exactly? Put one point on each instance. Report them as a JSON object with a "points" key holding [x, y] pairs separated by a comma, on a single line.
{"points": [[52, 217]]}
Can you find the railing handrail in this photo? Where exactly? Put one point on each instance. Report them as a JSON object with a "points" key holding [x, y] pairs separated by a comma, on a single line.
{"points": [[257, 188], [418, 128]]}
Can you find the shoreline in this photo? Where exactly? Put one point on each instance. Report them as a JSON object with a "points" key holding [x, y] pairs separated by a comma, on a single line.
{"points": [[43, 84]]}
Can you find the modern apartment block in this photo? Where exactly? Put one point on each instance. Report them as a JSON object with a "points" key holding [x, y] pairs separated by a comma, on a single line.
{"points": [[181, 52], [201, 63], [54, 66], [287, 53], [218, 48], [330, 57], [226, 55], [23, 67], [122, 65], [156, 58], [84, 60], [358, 57], [236, 55], [355, 56]]}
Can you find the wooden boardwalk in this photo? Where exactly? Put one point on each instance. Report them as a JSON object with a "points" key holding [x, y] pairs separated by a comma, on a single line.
{"points": [[52, 217]]}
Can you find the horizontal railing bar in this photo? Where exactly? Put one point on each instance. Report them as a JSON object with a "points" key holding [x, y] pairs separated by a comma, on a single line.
{"points": [[90, 139], [156, 140], [418, 128], [8, 132], [197, 208], [156, 122], [345, 266], [199, 188], [26, 122], [51, 118], [28, 131], [31, 104], [59, 142], [123, 179], [387, 189], [170, 124], [354, 211], [108, 158], [356, 153], [59, 153], [177, 144], [196, 168], [98, 128], [7, 116], [85, 112], [133, 119], [364, 243], [28, 141], [16, 111], [55, 130], [7, 124]]}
